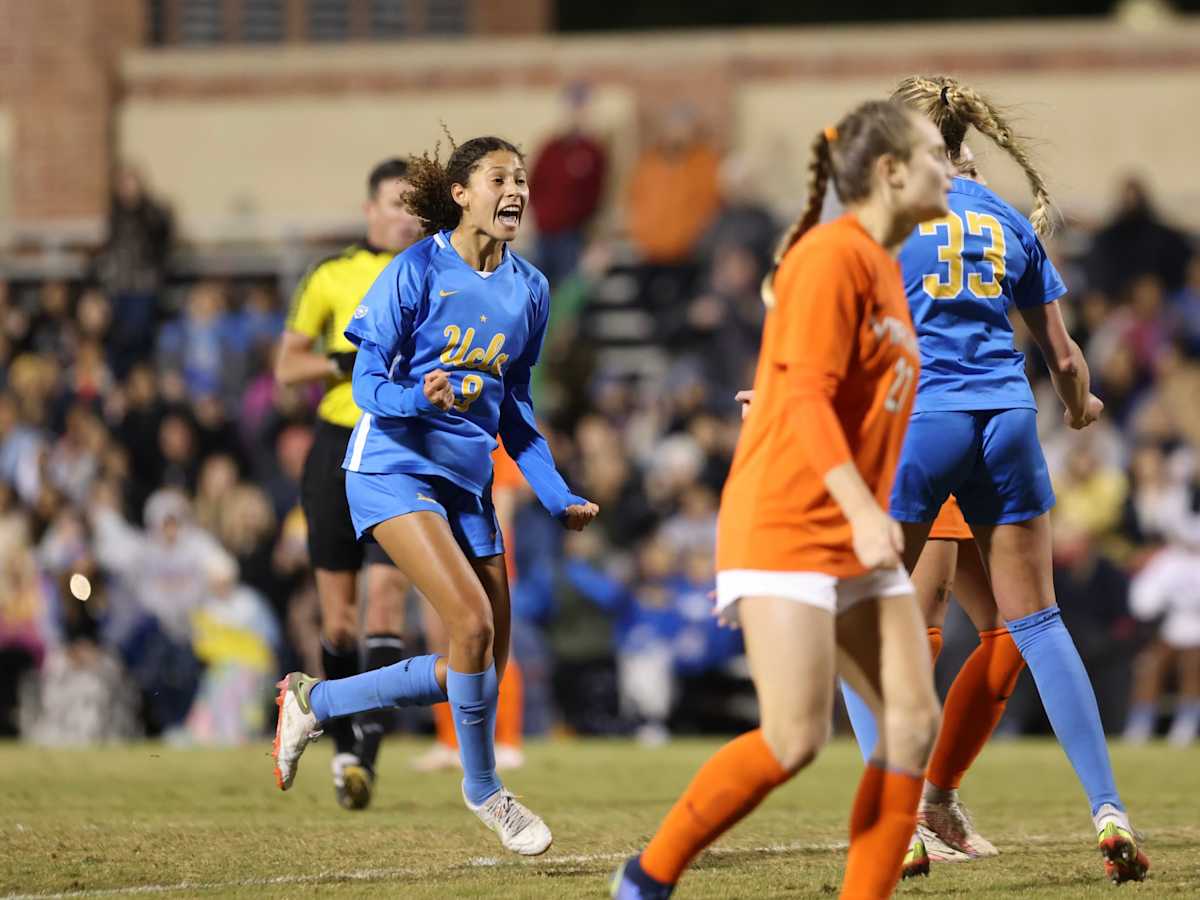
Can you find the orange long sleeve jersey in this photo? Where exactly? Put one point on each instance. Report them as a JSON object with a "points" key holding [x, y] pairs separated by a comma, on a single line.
{"points": [[836, 376]]}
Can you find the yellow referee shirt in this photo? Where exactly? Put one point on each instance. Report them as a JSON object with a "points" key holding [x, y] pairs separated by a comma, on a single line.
{"points": [[321, 307]]}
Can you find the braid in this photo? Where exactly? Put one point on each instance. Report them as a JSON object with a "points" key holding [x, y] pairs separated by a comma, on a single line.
{"points": [[963, 102], [820, 168], [954, 107]]}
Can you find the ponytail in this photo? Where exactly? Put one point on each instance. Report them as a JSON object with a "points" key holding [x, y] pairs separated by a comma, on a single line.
{"points": [[430, 199], [954, 107]]}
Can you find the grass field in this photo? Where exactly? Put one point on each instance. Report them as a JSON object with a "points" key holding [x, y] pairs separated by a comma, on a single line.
{"points": [[150, 820]]}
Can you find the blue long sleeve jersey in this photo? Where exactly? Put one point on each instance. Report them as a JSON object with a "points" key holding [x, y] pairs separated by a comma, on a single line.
{"points": [[430, 310]]}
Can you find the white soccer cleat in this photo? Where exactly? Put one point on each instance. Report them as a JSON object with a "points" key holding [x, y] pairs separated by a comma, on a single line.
{"points": [[520, 830], [295, 727], [938, 850], [943, 815]]}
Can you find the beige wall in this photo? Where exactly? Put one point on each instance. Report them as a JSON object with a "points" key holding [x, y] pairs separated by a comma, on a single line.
{"points": [[270, 167], [1088, 130], [270, 141], [5, 170]]}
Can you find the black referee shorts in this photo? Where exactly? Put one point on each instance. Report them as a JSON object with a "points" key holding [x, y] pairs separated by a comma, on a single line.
{"points": [[332, 544]]}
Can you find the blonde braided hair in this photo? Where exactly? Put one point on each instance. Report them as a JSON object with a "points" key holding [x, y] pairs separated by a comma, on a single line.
{"points": [[954, 107]]}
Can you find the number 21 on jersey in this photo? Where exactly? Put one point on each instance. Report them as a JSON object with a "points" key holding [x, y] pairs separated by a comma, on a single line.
{"points": [[948, 285], [897, 393]]}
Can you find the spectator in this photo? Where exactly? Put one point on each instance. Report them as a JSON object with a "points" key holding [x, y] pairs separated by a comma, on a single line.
{"points": [[723, 325], [131, 267], [21, 448], [1185, 308], [82, 694], [1091, 494], [1136, 243], [1167, 592], [235, 635], [198, 345], [743, 220], [673, 194], [22, 609], [565, 185], [158, 567]]}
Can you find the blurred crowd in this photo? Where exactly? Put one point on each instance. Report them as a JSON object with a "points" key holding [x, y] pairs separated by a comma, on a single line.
{"points": [[156, 578]]}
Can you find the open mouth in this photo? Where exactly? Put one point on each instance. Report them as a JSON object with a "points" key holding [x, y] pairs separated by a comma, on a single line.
{"points": [[509, 215]]}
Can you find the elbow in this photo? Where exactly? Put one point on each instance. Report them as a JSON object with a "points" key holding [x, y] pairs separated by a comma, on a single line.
{"points": [[360, 396], [1066, 366]]}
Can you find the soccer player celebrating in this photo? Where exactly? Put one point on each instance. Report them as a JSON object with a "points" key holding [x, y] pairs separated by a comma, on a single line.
{"points": [[447, 337], [974, 434], [808, 560], [313, 348]]}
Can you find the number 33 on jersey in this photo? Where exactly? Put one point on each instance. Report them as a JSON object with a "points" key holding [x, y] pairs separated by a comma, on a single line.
{"points": [[962, 275]]}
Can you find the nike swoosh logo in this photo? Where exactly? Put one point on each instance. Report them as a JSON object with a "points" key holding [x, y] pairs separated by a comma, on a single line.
{"points": [[297, 688], [473, 721], [446, 293]]}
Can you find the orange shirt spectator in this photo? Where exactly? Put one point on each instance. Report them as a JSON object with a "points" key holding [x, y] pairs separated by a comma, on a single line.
{"points": [[673, 197]]}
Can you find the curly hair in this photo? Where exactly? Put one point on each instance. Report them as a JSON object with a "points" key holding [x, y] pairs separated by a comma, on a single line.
{"points": [[430, 199]]}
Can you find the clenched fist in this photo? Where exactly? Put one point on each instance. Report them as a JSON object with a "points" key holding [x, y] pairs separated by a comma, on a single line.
{"points": [[578, 517], [438, 391], [1092, 407]]}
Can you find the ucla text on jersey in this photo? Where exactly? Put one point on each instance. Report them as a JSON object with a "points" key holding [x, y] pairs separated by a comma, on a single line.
{"points": [[429, 310]]}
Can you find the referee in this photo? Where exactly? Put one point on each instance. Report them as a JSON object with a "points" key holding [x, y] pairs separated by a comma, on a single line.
{"points": [[313, 348]]}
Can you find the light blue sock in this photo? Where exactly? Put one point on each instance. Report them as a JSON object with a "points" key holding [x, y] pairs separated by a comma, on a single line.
{"points": [[862, 720], [1068, 699], [411, 682], [473, 699]]}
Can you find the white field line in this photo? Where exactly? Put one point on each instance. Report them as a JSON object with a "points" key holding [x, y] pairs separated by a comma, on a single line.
{"points": [[474, 862]]}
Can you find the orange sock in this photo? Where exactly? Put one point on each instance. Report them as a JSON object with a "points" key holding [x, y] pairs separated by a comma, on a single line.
{"points": [[974, 706], [866, 800], [881, 825], [935, 642], [733, 781], [443, 723], [510, 710]]}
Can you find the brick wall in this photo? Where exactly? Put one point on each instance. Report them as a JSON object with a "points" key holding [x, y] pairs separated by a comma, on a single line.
{"points": [[58, 84]]}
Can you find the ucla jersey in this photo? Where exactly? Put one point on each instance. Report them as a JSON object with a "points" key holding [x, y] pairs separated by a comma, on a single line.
{"points": [[962, 273], [430, 310]]}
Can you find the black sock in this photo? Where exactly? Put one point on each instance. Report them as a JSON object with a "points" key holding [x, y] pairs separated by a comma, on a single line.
{"points": [[382, 650], [340, 663]]}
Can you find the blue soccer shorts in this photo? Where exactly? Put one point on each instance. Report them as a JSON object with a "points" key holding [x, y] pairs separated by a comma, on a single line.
{"points": [[990, 460], [375, 498]]}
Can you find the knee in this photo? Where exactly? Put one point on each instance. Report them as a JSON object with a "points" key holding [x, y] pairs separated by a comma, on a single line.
{"points": [[386, 585], [474, 631], [796, 742], [911, 732], [340, 633]]}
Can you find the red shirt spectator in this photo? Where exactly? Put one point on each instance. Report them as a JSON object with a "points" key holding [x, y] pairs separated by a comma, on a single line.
{"points": [[566, 183]]}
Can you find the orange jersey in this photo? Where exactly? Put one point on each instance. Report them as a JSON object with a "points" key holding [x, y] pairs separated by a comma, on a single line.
{"points": [[950, 524], [836, 376], [505, 473]]}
